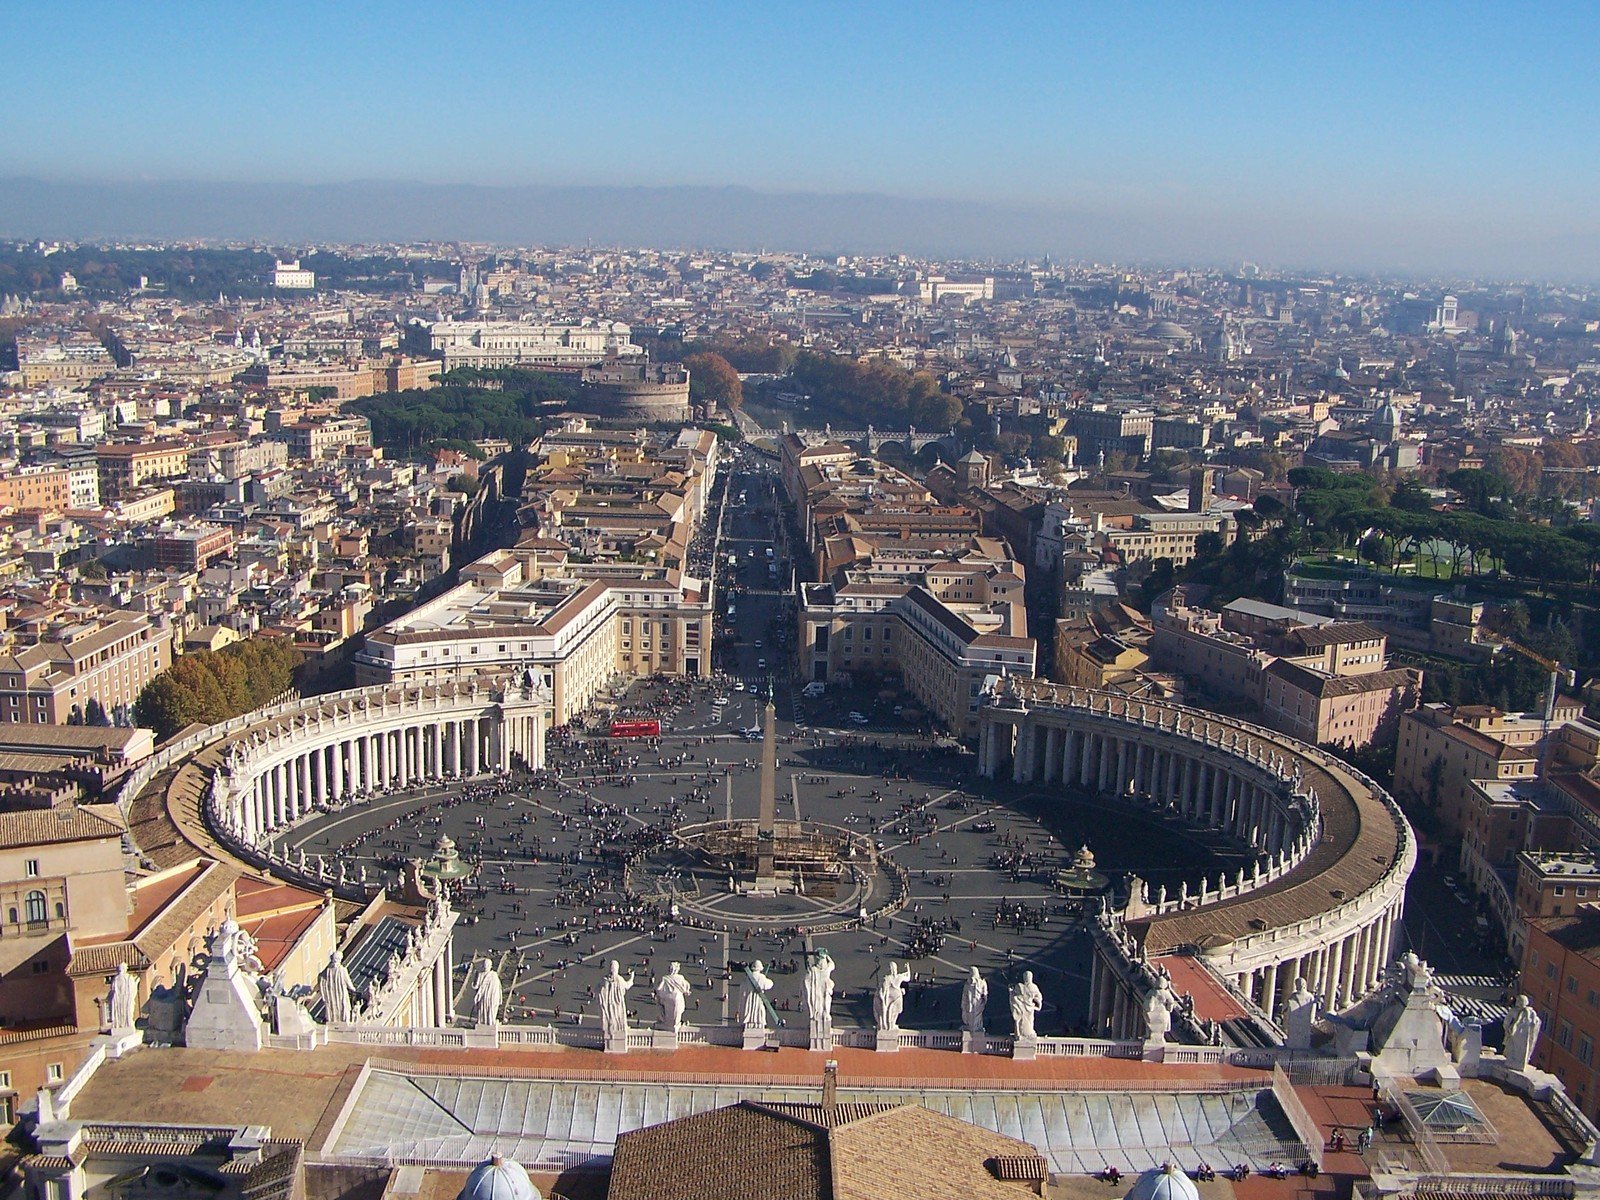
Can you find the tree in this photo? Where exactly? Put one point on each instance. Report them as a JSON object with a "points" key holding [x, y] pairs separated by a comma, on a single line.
{"points": [[94, 713], [211, 686], [165, 706], [714, 382], [1208, 544], [1377, 550]]}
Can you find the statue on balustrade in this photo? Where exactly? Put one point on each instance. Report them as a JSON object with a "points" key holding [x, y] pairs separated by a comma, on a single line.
{"points": [[487, 995], [753, 1015], [974, 997], [819, 996], [614, 1002], [1522, 1034], [890, 999], [1027, 1001], [1299, 1014], [672, 994], [1159, 1002], [336, 988]]}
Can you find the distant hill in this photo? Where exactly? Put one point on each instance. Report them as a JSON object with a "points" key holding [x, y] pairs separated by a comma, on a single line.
{"points": [[715, 218], [1160, 229]]}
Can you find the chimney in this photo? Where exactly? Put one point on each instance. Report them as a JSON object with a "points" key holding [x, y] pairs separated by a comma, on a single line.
{"points": [[830, 1083]]}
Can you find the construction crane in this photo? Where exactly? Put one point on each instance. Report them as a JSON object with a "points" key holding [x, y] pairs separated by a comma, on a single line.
{"points": [[1550, 665]]}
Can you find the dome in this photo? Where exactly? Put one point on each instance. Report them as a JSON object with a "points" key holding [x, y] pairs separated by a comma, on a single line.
{"points": [[1159, 1183], [499, 1179], [1167, 331]]}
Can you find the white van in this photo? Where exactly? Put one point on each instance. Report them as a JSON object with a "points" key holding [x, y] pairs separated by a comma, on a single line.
{"points": [[814, 689]]}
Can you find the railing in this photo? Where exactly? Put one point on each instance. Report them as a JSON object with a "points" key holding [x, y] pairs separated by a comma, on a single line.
{"points": [[9, 1037], [390, 1035], [526, 1035], [1288, 1099], [1493, 1186]]}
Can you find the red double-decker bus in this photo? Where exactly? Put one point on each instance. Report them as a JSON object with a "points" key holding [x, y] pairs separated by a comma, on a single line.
{"points": [[636, 729]]}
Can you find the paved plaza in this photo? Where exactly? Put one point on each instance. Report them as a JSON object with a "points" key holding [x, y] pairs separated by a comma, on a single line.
{"points": [[547, 903]]}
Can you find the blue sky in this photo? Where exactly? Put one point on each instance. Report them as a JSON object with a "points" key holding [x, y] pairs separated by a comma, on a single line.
{"points": [[1397, 114]]}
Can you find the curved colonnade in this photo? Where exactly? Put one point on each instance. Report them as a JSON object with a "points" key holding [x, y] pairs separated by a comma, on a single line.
{"points": [[1323, 900], [256, 775]]}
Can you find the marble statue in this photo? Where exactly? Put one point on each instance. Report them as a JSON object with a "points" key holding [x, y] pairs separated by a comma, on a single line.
{"points": [[123, 1000], [819, 996], [756, 987], [672, 994], [974, 996], [1299, 1012], [1026, 1002], [614, 1002], [1522, 1034], [336, 987], [890, 999], [487, 994], [1158, 1005]]}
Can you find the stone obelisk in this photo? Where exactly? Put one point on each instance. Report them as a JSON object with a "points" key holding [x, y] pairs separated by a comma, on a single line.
{"points": [[767, 819]]}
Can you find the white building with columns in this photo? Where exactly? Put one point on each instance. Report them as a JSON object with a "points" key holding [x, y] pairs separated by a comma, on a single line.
{"points": [[1323, 899]]}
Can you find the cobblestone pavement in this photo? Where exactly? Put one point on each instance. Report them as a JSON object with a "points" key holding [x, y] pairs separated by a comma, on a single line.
{"points": [[546, 903]]}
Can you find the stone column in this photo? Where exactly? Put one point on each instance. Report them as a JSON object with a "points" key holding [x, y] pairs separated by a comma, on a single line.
{"points": [[1269, 992]]}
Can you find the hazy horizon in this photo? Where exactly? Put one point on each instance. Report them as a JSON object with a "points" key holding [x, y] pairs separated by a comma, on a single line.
{"points": [[733, 217]]}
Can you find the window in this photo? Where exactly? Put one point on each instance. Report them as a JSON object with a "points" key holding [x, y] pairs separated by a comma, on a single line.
{"points": [[1564, 1035], [5, 1079], [32, 868], [53, 1073], [1586, 1050], [33, 902], [1572, 985]]}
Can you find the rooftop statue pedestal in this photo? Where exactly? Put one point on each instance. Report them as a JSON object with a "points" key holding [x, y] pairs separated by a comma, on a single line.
{"points": [[1025, 1049], [755, 1039], [663, 1039], [887, 1041], [973, 1043], [616, 1043]]}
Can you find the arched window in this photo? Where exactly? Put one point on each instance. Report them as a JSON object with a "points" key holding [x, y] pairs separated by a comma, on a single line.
{"points": [[33, 902]]}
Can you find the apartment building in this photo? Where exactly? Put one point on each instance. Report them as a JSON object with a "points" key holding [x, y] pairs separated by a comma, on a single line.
{"points": [[1167, 535], [1322, 681], [125, 467], [942, 627], [37, 489], [1561, 977], [109, 659], [1443, 749]]}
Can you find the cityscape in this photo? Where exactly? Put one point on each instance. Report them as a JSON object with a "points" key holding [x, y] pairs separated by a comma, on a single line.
{"points": [[571, 683]]}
